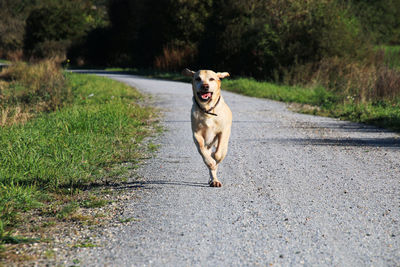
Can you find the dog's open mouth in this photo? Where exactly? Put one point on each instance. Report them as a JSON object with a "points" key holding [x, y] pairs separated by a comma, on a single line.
{"points": [[204, 96]]}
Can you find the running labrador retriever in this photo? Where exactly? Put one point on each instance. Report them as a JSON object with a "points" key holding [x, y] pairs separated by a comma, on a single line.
{"points": [[211, 119]]}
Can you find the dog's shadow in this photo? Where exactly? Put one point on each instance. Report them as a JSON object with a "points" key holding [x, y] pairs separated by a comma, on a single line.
{"points": [[150, 184]]}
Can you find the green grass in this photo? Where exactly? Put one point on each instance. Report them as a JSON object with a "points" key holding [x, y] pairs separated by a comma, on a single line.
{"points": [[60, 152], [391, 56], [384, 114], [250, 87]]}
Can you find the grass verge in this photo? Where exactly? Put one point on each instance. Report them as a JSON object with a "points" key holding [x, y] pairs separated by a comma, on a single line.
{"points": [[319, 101], [47, 162]]}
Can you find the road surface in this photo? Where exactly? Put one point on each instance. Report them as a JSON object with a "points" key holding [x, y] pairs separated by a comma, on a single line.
{"points": [[297, 190]]}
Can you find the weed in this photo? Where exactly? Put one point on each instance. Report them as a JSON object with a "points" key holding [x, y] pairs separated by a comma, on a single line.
{"points": [[94, 202], [67, 210], [85, 244], [129, 219], [153, 147]]}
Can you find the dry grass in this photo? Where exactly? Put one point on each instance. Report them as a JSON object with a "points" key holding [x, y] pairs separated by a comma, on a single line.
{"points": [[174, 58], [361, 82], [26, 89]]}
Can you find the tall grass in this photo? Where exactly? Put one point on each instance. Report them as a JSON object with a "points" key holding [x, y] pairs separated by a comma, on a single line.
{"points": [[174, 58], [369, 80], [82, 142], [26, 89], [390, 56]]}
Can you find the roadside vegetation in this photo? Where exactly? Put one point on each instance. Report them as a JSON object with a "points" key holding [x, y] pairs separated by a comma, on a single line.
{"points": [[319, 101], [62, 133], [345, 54]]}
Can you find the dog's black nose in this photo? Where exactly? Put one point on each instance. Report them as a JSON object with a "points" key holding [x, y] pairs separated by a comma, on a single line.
{"points": [[205, 86]]}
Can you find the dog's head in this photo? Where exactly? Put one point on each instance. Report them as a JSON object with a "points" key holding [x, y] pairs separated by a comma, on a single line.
{"points": [[206, 84]]}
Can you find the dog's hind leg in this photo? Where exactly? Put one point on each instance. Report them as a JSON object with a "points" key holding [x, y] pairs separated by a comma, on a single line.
{"points": [[206, 153]]}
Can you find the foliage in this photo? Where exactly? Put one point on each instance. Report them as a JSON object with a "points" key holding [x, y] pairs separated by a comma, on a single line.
{"points": [[13, 14], [51, 28], [270, 36], [263, 36], [52, 25], [380, 19]]}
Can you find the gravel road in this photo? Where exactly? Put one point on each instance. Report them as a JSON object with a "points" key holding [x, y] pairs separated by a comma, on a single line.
{"points": [[297, 190]]}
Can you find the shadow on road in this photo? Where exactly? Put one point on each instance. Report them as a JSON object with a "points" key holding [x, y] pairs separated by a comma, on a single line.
{"points": [[392, 143], [364, 142], [347, 127], [144, 185]]}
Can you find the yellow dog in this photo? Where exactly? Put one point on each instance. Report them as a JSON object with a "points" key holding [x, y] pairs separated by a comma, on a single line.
{"points": [[211, 119]]}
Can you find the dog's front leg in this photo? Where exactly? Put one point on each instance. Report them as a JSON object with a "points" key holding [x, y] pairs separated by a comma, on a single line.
{"points": [[204, 151], [222, 148], [214, 182], [208, 159]]}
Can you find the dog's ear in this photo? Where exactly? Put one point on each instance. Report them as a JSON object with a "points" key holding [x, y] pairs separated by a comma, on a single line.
{"points": [[188, 73], [222, 75]]}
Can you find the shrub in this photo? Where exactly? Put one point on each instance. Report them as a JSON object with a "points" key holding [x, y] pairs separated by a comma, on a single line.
{"points": [[379, 19], [52, 27], [259, 37]]}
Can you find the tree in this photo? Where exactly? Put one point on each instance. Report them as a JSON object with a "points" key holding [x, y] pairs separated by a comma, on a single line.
{"points": [[53, 26]]}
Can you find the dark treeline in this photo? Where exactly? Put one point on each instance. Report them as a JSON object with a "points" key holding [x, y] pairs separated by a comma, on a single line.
{"points": [[259, 38]]}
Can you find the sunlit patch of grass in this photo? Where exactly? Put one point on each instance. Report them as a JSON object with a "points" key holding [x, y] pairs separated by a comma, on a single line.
{"points": [[319, 101], [51, 158], [250, 87]]}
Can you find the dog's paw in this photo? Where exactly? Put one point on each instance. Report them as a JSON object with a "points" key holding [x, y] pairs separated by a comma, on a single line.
{"points": [[215, 184]]}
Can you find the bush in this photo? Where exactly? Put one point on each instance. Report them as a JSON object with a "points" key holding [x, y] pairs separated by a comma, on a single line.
{"points": [[260, 37], [379, 19], [52, 27]]}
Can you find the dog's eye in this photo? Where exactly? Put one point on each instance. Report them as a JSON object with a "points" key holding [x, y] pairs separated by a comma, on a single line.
{"points": [[212, 79], [198, 79]]}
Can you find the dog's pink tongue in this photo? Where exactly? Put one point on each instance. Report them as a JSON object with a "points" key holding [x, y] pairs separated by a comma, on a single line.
{"points": [[206, 95]]}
